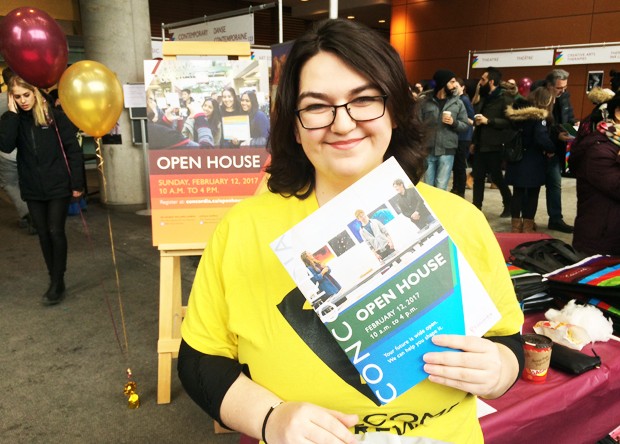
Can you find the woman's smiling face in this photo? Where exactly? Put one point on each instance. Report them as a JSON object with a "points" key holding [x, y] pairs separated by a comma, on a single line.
{"points": [[207, 107], [228, 100], [246, 103], [345, 150]]}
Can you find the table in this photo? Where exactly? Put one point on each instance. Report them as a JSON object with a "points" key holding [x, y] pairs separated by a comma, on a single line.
{"points": [[565, 409]]}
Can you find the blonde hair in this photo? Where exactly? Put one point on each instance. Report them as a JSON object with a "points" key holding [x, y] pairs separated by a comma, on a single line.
{"points": [[40, 110]]}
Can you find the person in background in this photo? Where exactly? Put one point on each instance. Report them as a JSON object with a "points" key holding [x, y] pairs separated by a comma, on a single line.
{"points": [[259, 122], [8, 168], [376, 236], [231, 106], [594, 160], [161, 125], [527, 176], [557, 81], [490, 104], [459, 169], [230, 102], [50, 165], [321, 276], [196, 126], [185, 103], [444, 113], [214, 119], [411, 205], [251, 355]]}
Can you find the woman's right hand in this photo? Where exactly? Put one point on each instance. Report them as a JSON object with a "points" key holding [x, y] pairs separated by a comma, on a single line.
{"points": [[301, 422]]}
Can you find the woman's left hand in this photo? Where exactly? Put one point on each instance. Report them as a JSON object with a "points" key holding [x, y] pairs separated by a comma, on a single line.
{"points": [[11, 104], [477, 365]]}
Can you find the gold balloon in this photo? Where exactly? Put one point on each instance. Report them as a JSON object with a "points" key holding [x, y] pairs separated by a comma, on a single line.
{"points": [[91, 96]]}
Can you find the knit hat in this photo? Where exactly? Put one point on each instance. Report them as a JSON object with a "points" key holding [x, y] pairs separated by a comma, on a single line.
{"points": [[442, 77]]}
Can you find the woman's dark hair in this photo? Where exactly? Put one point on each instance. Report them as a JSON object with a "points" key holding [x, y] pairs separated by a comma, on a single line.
{"points": [[236, 103], [253, 102], [365, 51]]}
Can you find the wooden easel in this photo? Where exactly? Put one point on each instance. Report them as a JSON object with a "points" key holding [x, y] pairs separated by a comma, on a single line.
{"points": [[171, 309]]}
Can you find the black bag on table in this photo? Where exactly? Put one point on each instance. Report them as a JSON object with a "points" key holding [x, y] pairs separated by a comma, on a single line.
{"points": [[544, 255]]}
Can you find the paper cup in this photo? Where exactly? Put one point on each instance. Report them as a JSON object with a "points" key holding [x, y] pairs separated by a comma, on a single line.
{"points": [[447, 113], [537, 349]]}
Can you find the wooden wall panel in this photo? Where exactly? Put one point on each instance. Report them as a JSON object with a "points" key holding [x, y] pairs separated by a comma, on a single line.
{"points": [[606, 6], [518, 10], [543, 32], [431, 15], [398, 21], [456, 42], [606, 27]]}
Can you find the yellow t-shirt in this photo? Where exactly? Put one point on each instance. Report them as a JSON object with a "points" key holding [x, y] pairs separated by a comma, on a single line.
{"points": [[245, 306]]}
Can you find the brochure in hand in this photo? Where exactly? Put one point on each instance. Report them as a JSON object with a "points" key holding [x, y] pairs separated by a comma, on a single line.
{"points": [[384, 276], [569, 128]]}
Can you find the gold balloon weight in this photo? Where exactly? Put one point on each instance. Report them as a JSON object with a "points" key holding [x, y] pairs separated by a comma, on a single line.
{"points": [[133, 400]]}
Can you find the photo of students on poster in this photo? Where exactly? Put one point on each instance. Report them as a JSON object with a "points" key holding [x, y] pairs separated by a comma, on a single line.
{"points": [[205, 154]]}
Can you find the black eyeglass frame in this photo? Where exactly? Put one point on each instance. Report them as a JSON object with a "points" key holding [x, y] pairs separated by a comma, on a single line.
{"points": [[335, 111]]}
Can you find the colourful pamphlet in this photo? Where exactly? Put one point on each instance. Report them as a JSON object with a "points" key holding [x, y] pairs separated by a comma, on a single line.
{"points": [[384, 276]]}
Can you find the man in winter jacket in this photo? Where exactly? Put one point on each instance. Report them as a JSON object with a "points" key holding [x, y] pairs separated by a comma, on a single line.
{"points": [[491, 127], [445, 116], [557, 81]]}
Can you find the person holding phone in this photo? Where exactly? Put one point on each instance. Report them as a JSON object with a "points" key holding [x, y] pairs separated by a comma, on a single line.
{"points": [[51, 172]]}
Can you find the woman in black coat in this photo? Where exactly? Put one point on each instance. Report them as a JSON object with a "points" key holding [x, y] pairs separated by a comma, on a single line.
{"points": [[51, 173], [595, 161], [527, 176]]}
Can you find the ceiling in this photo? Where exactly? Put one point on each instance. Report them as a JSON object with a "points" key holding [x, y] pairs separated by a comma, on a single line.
{"points": [[368, 12]]}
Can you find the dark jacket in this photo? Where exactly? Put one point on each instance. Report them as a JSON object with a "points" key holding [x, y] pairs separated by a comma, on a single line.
{"points": [[44, 174], [259, 129], [469, 109], [529, 172], [489, 137], [595, 161]]}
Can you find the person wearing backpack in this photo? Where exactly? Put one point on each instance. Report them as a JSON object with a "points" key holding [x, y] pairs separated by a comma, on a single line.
{"points": [[595, 161], [532, 116]]}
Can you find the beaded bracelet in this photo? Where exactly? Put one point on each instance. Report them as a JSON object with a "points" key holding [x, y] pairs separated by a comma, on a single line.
{"points": [[271, 409]]}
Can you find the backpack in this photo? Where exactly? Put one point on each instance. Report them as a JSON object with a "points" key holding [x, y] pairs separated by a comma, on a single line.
{"points": [[544, 256], [512, 147]]}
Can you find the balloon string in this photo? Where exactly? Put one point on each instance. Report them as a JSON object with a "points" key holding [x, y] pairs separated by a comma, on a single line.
{"points": [[92, 248], [118, 285], [100, 167], [124, 349]]}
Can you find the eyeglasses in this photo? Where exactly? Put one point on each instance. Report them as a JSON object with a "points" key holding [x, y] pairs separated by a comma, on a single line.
{"points": [[361, 109]]}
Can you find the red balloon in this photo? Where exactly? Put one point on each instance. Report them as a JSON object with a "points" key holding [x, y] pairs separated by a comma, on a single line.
{"points": [[524, 85], [34, 46]]}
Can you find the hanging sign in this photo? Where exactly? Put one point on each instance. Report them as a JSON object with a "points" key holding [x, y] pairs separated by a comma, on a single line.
{"points": [[233, 29], [538, 57], [587, 55]]}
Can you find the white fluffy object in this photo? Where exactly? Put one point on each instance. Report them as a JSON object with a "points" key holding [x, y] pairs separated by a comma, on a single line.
{"points": [[588, 317]]}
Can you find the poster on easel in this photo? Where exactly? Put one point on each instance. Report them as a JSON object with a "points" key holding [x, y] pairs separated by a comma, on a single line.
{"points": [[196, 170]]}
